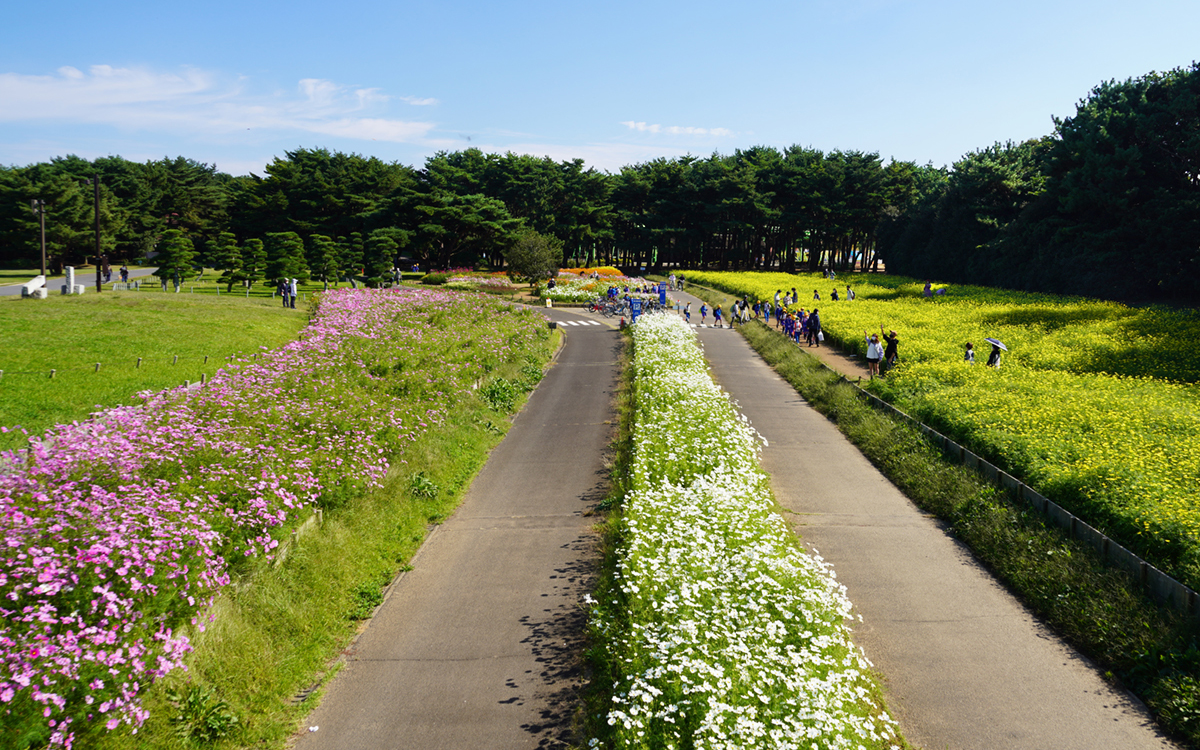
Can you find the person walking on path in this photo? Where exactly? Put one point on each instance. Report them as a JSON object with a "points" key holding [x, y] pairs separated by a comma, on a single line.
{"points": [[717, 317], [891, 353], [703, 313], [687, 313], [814, 328], [292, 290], [875, 353], [283, 288]]}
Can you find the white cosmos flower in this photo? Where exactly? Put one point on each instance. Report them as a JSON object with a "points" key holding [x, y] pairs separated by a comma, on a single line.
{"points": [[732, 637]]}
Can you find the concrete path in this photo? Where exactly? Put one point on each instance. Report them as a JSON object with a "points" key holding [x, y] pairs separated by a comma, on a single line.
{"points": [[965, 665], [479, 645], [86, 276]]}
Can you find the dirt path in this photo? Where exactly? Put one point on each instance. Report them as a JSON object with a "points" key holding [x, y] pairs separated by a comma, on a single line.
{"points": [[964, 664]]}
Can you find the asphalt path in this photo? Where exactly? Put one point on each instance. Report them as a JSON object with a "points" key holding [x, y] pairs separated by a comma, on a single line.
{"points": [[964, 664], [86, 276], [479, 645]]}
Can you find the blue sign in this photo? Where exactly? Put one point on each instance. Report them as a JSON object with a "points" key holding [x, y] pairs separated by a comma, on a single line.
{"points": [[662, 293], [635, 308]]}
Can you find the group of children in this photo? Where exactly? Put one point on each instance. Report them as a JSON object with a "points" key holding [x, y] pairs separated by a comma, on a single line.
{"points": [[801, 324], [737, 314]]}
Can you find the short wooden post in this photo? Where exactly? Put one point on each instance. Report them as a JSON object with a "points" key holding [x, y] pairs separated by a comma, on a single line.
{"points": [[97, 367], [52, 373], [176, 360], [139, 364]]}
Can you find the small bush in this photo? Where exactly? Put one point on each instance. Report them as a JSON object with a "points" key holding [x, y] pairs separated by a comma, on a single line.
{"points": [[367, 596], [422, 486], [200, 715], [435, 279], [500, 394]]}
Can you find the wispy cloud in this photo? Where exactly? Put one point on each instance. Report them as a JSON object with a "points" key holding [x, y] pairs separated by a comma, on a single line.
{"points": [[609, 157], [642, 127], [200, 102]]}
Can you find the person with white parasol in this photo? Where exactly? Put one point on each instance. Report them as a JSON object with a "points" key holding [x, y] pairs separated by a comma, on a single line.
{"points": [[997, 347]]}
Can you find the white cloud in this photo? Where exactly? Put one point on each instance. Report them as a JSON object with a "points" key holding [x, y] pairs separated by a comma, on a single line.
{"points": [[642, 127], [373, 129], [198, 102], [417, 101], [609, 157]]}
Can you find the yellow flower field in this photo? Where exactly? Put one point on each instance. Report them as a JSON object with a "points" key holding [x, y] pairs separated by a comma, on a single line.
{"points": [[1095, 404]]}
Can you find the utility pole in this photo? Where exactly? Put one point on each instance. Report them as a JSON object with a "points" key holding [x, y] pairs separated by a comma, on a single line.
{"points": [[96, 185], [39, 207]]}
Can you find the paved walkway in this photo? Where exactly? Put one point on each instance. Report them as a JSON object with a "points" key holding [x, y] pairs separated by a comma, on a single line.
{"points": [[964, 664], [479, 645], [85, 276]]}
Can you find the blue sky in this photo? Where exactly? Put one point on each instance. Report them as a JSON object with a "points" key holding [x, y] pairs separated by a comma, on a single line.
{"points": [[236, 84]]}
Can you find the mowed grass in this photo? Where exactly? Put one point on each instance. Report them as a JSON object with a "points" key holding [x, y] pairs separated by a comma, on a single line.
{"points": [[72, 334]]}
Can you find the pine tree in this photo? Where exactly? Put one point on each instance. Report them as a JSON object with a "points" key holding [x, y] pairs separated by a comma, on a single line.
{"points": [[323, 258], [227, 257], [285, 257], [175, 256], [380, 253], [254, 261]]}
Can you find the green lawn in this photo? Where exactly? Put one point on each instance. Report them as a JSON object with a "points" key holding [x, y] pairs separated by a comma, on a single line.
{"points": [[72, 334]]}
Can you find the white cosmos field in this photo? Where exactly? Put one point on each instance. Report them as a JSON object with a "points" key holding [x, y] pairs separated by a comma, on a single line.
{"points": [[721, 631]]}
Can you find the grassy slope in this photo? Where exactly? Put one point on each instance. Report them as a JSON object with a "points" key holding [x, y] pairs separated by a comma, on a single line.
{"points": [[276, 634], [276, 637], [71, 334]]}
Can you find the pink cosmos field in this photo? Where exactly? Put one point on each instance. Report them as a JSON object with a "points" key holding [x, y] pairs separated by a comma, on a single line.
{"points": [[121, 530]]}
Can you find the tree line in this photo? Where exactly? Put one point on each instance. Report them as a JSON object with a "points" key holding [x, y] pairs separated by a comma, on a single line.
{"points": [[1108, 205], [1105, 205]]}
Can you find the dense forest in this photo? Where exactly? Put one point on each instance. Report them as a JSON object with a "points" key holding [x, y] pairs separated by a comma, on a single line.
{"points": [[1108, 204]]}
